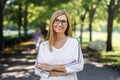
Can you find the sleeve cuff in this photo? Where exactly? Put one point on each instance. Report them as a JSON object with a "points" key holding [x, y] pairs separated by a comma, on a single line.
{"points": [[44, 74], [69, 70]]}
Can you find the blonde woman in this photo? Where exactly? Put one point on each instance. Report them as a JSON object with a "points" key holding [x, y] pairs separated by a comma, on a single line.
{"points": [[60, 56]]}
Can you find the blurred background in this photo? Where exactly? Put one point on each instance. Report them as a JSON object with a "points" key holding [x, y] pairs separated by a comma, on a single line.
{"points": [[96, 24]]}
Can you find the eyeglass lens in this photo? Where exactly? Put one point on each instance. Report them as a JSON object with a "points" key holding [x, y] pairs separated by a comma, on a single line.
{"points": [[63, 22]]}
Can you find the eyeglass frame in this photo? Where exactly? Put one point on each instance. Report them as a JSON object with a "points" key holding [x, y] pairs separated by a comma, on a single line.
{"points": [[63, 22]]}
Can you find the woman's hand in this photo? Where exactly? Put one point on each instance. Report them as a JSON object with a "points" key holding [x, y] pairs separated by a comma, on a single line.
{"points": [[57, 73], [44, 67], [55, 70]]}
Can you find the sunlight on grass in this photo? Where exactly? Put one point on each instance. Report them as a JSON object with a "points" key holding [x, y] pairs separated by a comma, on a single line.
{"points": [[27, 43], [111, 58], [103, 37]]}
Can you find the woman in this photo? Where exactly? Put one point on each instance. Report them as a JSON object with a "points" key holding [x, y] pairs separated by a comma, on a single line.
{"points": [[60, 56], [37, 38]]}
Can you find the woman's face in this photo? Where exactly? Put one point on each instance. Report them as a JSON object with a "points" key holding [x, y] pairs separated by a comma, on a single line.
{"points": [[60, 24]]}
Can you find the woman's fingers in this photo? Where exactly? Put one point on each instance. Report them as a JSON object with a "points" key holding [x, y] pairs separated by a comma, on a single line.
{"points": [[44, 67]]}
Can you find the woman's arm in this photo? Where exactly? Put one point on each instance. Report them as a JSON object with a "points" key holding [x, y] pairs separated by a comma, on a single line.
{"points": [[77, 63], [57, 73], [55, 70]]}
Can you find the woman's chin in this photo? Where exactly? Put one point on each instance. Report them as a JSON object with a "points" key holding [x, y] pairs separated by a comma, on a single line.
{"points": [[59, 32]]}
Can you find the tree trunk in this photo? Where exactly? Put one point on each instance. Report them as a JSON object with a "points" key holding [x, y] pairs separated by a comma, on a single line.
{"points": [[90, 29], [25, 19], [74, 28], [19, 21], [81, 31], [1, 27], [91, 16], [2, 4], [109, 32], [109, 28]]}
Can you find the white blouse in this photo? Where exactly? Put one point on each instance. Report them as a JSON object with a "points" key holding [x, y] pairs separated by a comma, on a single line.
{"points": [[70, 55]]}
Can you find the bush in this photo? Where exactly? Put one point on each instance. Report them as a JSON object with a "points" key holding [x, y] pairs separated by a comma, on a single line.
{"points": [[97, 45]]}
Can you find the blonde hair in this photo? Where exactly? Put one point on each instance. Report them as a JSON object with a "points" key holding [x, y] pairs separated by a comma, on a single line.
{"points": [[68, 31]]}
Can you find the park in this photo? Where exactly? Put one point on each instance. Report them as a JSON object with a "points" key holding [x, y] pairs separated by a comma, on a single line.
{"points": [[95, 23]]}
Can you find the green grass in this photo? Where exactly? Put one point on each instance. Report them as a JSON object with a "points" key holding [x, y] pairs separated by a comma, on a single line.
{"points": [[111, 58], [103, 37]]}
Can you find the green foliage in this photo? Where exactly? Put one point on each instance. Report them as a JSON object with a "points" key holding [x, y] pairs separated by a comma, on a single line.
{"points": [[11, 26], [53, 3], [40, 11], [118, 18]]}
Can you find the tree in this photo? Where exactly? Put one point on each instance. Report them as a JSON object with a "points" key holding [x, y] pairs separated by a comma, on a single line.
{"points": [[2, 5], [25, 18], [82, 18], [90, 7], [113, 10], [92, 11], [19, 19]]}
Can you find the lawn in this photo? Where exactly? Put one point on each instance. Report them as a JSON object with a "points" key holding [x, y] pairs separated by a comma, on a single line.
{"points": [[111, 58]]}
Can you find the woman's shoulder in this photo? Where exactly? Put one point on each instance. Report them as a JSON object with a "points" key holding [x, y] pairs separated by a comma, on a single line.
{"points": [[73, 41], [44, 42]]}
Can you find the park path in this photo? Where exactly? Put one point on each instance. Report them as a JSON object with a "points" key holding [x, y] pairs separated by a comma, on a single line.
{"points": [[20, 67], [93, 70]]}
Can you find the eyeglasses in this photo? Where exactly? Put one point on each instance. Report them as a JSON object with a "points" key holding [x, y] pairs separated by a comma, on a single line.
{"points": [[63, 22]]}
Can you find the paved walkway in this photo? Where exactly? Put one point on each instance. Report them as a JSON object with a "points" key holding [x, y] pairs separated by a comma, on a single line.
{"points": [[20, 67], [96, 71]]}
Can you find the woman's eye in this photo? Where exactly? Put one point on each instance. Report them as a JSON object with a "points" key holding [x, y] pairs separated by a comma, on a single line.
{"points": [[63, 21]]}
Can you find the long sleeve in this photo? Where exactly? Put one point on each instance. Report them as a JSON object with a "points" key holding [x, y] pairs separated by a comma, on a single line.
{"points": [[37, 71], [77, 64]]}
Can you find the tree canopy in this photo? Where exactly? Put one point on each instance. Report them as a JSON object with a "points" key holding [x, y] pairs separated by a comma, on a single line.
{"points": [[29, 14]]}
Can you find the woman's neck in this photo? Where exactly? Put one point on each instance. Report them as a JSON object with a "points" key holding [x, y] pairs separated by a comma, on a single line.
{"points": [[59, 37], [59, 41]]}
